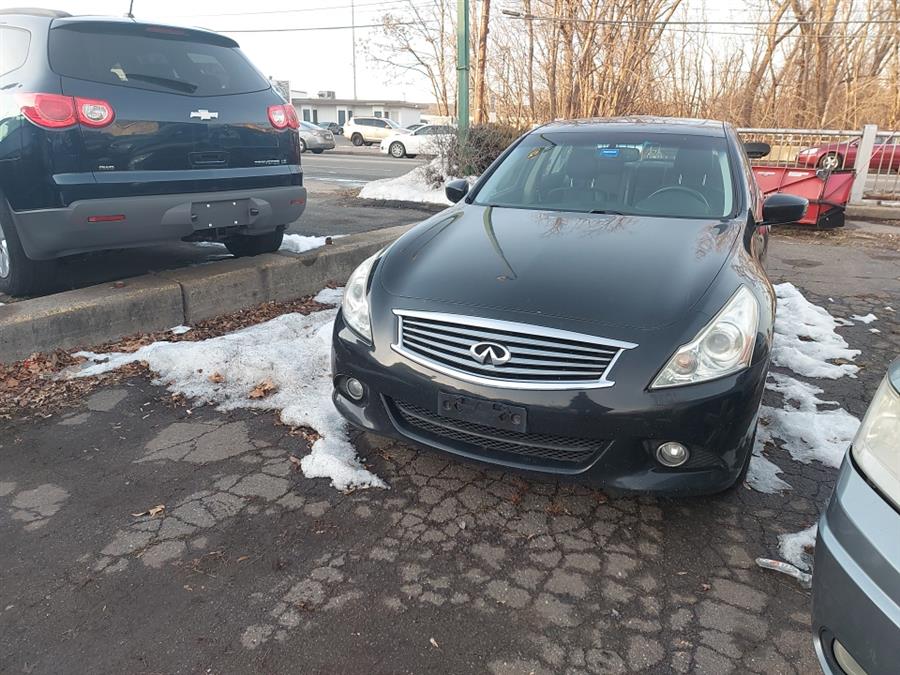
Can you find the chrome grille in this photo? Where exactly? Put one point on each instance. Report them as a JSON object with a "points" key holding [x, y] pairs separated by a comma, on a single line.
{"points": [[478, 437], [536, 357]]}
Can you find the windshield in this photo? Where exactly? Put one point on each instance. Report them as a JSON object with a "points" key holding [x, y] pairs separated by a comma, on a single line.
{"points": [[632, 173], [391, 123]]}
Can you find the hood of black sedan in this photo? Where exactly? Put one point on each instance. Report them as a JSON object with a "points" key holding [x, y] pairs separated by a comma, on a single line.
{"points": [[613, 270]]}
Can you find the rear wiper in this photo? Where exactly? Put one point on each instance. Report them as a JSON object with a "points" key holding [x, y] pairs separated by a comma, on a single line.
{"points": [[177, 85], [608, 212]]}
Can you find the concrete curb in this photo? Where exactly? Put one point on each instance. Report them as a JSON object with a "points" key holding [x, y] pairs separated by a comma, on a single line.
{"points": [[874, 211], [89, 316]]}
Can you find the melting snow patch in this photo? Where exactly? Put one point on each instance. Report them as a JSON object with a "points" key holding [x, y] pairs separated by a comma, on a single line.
{"points": [[841, 322], [762, 475], [874, 330], [410, 187], [805, 340], [868, 318], [298, 243], [330, 296], [179, 330], [807, 432], [888, 308], [796, 546], [293, 351]]}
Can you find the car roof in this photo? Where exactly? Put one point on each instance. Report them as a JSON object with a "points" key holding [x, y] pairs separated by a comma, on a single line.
{"points": [[650, 124]]}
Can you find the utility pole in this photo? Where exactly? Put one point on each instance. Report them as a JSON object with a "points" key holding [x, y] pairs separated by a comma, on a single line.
{"points": [[462, 67], [353, 33]]}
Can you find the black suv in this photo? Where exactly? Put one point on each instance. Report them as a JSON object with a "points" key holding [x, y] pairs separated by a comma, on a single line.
{"points": [[116, 134]]}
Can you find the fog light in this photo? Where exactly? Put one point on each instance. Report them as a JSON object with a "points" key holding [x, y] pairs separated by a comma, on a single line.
{"points": [[846, 661], [354, 388], [672, 454]]}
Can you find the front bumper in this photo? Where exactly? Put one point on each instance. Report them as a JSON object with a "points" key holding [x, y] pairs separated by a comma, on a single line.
{"points": [[618, 429], [150, 219], [856, 581]]}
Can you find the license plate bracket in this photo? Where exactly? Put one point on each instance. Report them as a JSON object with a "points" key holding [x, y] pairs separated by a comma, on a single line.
{"points": [[482, 411], [225, 213]]}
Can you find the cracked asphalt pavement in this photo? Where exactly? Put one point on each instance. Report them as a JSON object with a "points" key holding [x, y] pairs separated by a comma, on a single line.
{"points": [[457, 568]]}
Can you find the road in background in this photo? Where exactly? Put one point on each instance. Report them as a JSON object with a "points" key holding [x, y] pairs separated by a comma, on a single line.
{"points": [[354, 170]]}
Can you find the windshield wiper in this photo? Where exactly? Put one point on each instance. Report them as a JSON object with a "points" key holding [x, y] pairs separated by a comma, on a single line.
{"points": [[608, 212], [177, 85]]}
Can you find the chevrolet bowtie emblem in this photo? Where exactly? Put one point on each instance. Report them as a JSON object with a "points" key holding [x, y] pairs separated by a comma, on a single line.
{"points": [[204, 115]]}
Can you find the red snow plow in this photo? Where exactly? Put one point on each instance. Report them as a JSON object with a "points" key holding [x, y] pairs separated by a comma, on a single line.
{"points": [[826, 190]]}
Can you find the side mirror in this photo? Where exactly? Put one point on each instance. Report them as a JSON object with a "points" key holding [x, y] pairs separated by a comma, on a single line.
{"points": [[780, 208], [757, 150], [456, 189]]}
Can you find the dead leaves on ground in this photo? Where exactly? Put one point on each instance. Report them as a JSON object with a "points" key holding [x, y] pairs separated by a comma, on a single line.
{"points": [[263, 390], [152, 512]]}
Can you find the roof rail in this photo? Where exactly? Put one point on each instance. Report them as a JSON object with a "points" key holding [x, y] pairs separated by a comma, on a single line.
{"points": [[36, 11]]}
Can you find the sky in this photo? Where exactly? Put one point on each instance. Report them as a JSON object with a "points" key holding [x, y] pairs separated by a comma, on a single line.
{"points": [[313, 60], [316, 60]]}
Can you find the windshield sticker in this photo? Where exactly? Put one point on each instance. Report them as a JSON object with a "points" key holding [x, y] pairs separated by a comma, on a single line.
{"points": [[609, 152]]}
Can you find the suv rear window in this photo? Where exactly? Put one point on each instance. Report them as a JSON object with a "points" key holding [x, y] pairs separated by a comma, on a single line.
{"points": [[152, 57]]}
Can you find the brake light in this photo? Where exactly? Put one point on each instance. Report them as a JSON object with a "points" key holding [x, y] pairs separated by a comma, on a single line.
{"points": [[283, 116], [50, 111], [54, 111]]}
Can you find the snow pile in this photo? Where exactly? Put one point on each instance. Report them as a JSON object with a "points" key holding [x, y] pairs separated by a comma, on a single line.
{"points": [[292, 243], [292, 352], [805, 338], [867, 319], [298, 243], [410, 187], [795, 547], [808, 433]]}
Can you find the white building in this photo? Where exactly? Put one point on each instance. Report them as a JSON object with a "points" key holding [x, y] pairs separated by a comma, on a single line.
{"points": [[326, 108]]}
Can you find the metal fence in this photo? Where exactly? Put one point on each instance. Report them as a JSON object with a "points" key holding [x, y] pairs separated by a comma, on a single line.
{"points": [[878, 178]]}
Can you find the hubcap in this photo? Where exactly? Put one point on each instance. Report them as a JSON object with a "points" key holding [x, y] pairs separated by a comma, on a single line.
{"points": [[396, 151], [830, 162], [4, 255]]}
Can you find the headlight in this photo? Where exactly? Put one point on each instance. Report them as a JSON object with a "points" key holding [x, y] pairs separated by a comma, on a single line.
{"points": [[723, 347], [876, 447], [355, 304]]}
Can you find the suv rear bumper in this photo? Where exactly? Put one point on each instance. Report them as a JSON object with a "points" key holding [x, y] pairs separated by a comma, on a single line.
{"points": [[150, 219]]}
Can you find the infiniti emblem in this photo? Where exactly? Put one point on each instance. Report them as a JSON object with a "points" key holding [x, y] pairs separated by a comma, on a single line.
{"points": [[490, 353], [204, 115]]}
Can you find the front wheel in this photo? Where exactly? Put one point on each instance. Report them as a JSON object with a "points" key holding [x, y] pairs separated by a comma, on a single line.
{"points": [[19, 274], [831, 161], [397, 150], [243, 245], [357, 140]]}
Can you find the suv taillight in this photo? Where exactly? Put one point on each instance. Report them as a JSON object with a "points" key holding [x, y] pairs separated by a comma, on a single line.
{"points": [[54, 111], [283, 116]]}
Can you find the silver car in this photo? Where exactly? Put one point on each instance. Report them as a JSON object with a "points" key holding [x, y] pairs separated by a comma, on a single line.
{"points": [[856, 580], [314, 138]]}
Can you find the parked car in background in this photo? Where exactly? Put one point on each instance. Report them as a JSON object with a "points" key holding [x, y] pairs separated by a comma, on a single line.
{"points": [[856, 580], [413, 127], [596, 306], [426, 140], [118, 133], [314, 138], [368, 130], [333, 127], [885, 155]]}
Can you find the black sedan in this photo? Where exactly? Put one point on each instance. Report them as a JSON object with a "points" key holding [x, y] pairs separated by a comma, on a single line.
{"points": [[595, 306]]}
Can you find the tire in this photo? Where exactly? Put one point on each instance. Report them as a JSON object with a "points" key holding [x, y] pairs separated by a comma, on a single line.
{"points": [[19, 274], [245, 245], [317, 152], [831, 160], [302, 146], [397, 150], [357, 140]]}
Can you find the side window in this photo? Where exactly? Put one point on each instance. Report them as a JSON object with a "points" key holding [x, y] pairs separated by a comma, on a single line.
{"points": [[424, 131], [363, 122], [14, 43]]}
